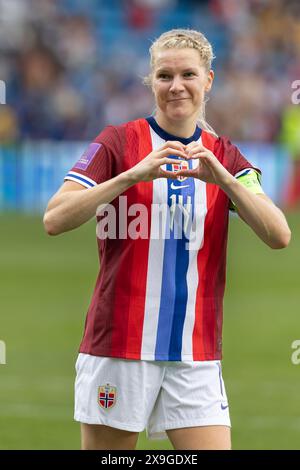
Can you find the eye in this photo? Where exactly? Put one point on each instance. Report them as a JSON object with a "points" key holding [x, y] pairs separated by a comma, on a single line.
{"points": [[189, 74], [163, 76]]}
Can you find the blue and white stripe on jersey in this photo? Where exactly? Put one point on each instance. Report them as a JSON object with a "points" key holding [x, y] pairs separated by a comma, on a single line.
{"points": [[172, 276], [175, 264], [79, 178]]}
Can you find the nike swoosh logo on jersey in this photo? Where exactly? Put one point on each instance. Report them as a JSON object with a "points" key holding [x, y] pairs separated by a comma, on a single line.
{"points": [[173, 186], [223, 407]]}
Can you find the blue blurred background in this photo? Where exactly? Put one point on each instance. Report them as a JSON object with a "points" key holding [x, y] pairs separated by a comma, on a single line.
{"points": [[70, 67]]}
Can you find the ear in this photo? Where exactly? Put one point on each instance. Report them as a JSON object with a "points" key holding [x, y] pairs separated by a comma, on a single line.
{"points": [[209, 82]]}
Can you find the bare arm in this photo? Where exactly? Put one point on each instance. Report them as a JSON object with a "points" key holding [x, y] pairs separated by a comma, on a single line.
{"points": [[260, 213], [257, 210], [73, 205]]}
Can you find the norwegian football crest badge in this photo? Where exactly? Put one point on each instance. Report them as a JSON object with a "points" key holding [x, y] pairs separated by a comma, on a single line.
{"points": [[180, 165], [107, 396]]}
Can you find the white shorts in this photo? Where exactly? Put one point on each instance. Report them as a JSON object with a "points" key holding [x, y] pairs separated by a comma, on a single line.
{"points": [[157, 395]]}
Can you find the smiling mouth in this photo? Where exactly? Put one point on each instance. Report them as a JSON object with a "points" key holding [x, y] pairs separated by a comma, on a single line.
{"points": [[178, 99]]}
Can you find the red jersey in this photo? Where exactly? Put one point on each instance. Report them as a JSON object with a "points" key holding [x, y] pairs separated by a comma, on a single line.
{"points": [[158, 297]]}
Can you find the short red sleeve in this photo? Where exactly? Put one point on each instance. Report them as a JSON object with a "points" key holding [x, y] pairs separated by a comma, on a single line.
{"points": [[97, 163], [230, 156]]}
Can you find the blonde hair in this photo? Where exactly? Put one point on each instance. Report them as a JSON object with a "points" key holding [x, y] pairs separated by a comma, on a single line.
{"points": [[181, 39]]}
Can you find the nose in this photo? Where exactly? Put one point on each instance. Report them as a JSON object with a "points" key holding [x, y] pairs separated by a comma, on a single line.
{"points": [[176, 85]]}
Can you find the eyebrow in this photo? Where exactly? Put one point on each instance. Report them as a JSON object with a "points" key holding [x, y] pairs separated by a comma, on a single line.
{"points": [[165, 69]]}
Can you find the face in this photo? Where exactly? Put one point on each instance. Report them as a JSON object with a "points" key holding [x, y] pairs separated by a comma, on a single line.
{"points": [[179, 84]]}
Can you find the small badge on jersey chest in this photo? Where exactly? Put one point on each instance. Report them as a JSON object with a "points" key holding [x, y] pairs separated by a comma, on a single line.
{"points": [[107, 396], [180, 165]]}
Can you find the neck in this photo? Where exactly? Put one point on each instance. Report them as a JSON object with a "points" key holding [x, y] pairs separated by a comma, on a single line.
{"points": [[184, 128]]}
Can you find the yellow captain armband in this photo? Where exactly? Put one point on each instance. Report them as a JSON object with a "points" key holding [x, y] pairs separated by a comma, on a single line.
{"points": [[250, 178]]}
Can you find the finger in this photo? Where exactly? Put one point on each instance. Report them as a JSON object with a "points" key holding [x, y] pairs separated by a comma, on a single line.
{"points": [[191, 145], [166, 160], [197, 155], [174, 144], [168, 174], [168, 152], [176, 152], [202, 155], [196, 149], [200, 146], [186, 173], [190, 153], [194, 144]]}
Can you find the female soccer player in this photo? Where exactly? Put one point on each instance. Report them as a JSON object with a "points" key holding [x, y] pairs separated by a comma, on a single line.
{"points": [[151, 351]]}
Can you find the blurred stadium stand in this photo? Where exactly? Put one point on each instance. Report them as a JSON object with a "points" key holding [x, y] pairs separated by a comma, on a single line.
{"points": [[71, 67], [30, 172]]}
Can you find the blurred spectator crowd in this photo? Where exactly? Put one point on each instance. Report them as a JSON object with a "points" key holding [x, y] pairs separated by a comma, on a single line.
{"points": [[71, 67]]}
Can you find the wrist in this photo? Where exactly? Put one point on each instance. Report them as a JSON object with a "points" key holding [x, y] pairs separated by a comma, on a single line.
{"points": [[228, 183], [128, 178]]}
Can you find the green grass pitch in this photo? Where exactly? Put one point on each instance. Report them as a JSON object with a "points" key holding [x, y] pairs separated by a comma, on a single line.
{"points": [[46, 284]]}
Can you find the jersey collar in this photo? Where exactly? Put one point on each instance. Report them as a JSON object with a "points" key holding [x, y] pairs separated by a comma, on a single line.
{"points": [[166, 136]]}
